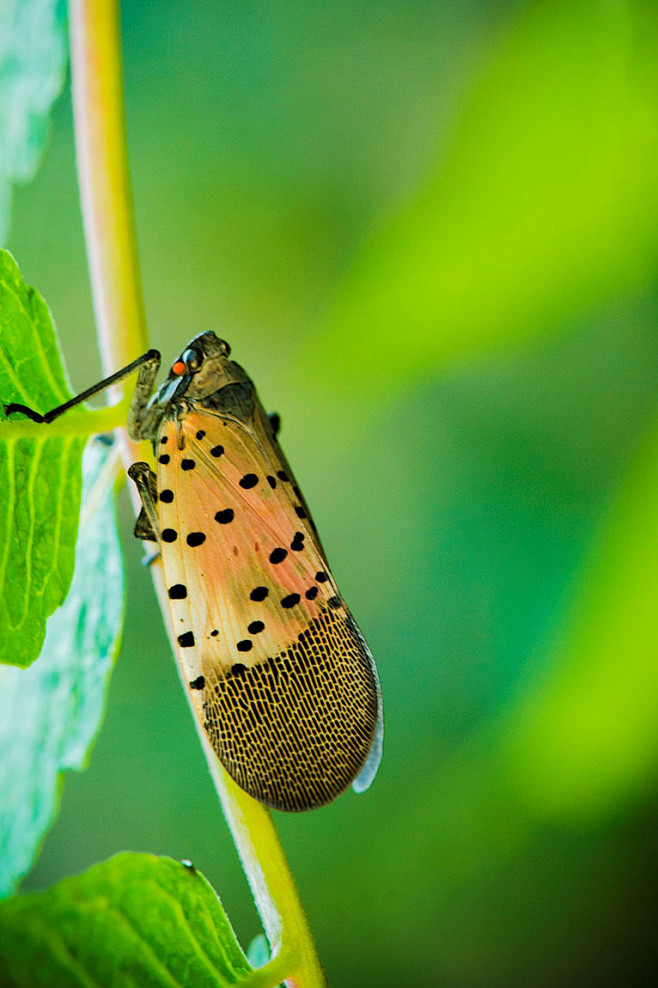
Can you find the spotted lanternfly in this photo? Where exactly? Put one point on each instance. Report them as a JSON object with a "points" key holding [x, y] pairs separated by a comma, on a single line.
{"points": [[280, 675]]}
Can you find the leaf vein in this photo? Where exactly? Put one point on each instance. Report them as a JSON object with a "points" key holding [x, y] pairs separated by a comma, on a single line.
{"points": [[55, 387], [59, 513], [29, 539], [61, 950], [121, 917], [210, 964], [15, 382], [11, 505]]}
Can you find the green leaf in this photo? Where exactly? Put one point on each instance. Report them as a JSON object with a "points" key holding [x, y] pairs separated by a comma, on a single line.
{"points": [[543, 204], [135, 920], [39, 477], [32, 71], [50, 714]]}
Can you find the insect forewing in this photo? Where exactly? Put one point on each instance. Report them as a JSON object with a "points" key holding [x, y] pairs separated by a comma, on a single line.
{"points": [[282, 680]]}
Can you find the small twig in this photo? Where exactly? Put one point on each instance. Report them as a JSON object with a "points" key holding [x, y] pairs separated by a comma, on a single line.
{"points": [[111, 248]]}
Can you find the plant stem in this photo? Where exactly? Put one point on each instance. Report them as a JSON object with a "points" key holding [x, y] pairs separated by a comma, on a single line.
{"points": [[111, 247], [270, 878], [104, 181]]}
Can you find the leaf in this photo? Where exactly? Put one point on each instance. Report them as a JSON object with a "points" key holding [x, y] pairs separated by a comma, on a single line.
{"points": [[50, 714], [543, 204], [135, 920], [33, 53], [39, 477]]}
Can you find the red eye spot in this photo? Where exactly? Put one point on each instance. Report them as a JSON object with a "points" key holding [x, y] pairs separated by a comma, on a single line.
{"points": [[179, 367]]}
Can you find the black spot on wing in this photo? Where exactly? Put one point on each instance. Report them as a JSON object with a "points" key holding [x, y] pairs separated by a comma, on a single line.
{"points": [[195, 538]]}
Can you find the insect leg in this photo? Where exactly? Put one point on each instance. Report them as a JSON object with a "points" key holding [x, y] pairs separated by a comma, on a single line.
{"points": [[143, 391], [147, 365], [275, 422], [147, 525]]}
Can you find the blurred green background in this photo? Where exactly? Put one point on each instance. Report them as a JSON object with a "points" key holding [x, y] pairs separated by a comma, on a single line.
{"points": [[429, 232]]}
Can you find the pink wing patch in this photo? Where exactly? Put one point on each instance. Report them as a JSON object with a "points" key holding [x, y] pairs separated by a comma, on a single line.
{"points": [[248, 564]]}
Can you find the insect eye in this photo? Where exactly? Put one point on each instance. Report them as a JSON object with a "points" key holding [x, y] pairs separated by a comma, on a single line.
{"points": [[191, 360]]}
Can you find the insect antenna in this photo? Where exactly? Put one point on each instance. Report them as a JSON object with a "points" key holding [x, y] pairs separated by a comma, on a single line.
{"points": [[152, 357]]}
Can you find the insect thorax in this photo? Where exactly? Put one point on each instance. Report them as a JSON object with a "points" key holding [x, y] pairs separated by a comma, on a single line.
{"points": [[237, 401]]}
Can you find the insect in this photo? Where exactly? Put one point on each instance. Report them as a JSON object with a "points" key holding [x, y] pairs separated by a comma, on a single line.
{"points": [[280, 676]]}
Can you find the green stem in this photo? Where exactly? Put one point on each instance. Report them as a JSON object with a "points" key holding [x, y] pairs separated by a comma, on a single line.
{"points": [[111, 247], [271, 881], [104, 181]]}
